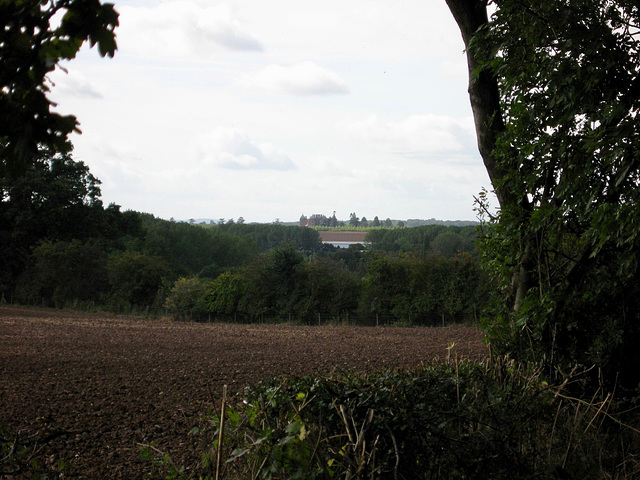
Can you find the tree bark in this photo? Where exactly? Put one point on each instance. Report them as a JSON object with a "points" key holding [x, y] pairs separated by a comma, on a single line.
{"points": [[484, 94]]}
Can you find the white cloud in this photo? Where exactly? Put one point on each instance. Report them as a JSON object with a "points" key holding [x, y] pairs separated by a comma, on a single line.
{"points": [[182, 29], [233, 149], [74, 84], [175, 81], [304, 78], [335, 30], [416, 135]]}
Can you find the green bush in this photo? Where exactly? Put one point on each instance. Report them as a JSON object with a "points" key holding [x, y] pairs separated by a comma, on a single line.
{"points": [[186, 295], [137, 278], [223, 295], [459, 420], [61, 273]]}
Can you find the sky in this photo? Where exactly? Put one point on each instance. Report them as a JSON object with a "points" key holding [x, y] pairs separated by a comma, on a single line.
{"points": [[272, 110]]}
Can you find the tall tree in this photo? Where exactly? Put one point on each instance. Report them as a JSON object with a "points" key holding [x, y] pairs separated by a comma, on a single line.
{"points": [[32, 43], [137, 278], [555, 90], [64, 272], [484, 93], [56, 198]]}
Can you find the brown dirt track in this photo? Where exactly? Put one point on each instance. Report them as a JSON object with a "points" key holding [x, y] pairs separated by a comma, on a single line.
{"points": [[112, 383]]}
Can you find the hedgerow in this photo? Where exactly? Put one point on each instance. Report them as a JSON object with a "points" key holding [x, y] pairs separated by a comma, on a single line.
{"points": [[458, 420]]}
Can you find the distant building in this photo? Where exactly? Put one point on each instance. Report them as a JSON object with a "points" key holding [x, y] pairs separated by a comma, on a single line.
{"points": [[343, 239]]}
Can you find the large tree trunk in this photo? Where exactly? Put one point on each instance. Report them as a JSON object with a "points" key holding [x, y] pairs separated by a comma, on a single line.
{"points": [[483, 91], [484, 94]]}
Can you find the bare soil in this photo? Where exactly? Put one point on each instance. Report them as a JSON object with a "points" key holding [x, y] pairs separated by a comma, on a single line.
{"points": [[111, 383]]}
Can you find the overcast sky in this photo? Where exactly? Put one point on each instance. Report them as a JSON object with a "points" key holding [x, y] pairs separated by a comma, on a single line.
{"points": [[275, 109]]}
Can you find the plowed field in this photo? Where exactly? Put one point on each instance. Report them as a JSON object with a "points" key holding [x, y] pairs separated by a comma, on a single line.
{"points": [[108, 384]]}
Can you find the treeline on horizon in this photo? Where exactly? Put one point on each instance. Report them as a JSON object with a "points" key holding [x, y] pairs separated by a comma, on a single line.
{"points": [[60, 246], [322, 221]]}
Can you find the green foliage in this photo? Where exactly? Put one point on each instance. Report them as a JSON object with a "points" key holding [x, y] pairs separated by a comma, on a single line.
{"points": [[279, 446], [447, 244], [186, 295], [223, 295], [568, 78], [31, 46], [60, 246], [56, 198], [137, 278], [282, 283], [353, 258], [192, 250], [458, 420], [64, 273], [57, 202], [422, 290], [276, 283], [331, 288], [268, 237], [440, 240]]}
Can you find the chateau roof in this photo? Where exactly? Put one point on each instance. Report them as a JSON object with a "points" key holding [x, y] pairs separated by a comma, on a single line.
{"points": [[342, 237]]}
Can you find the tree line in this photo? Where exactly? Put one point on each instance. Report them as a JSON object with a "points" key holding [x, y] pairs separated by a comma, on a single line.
{"points": [[555, 93], [321, 220], [60, 245], [352, 285]]}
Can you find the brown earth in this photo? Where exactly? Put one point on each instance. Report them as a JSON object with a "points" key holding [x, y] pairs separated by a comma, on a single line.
{"points": [[109, 383]]}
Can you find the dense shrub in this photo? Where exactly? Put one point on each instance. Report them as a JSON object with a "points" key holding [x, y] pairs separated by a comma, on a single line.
{"points": [[137, 278], [186, 295], [459, 420], [422, 290], [64, 272], [283, 283], [223, 295]]}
